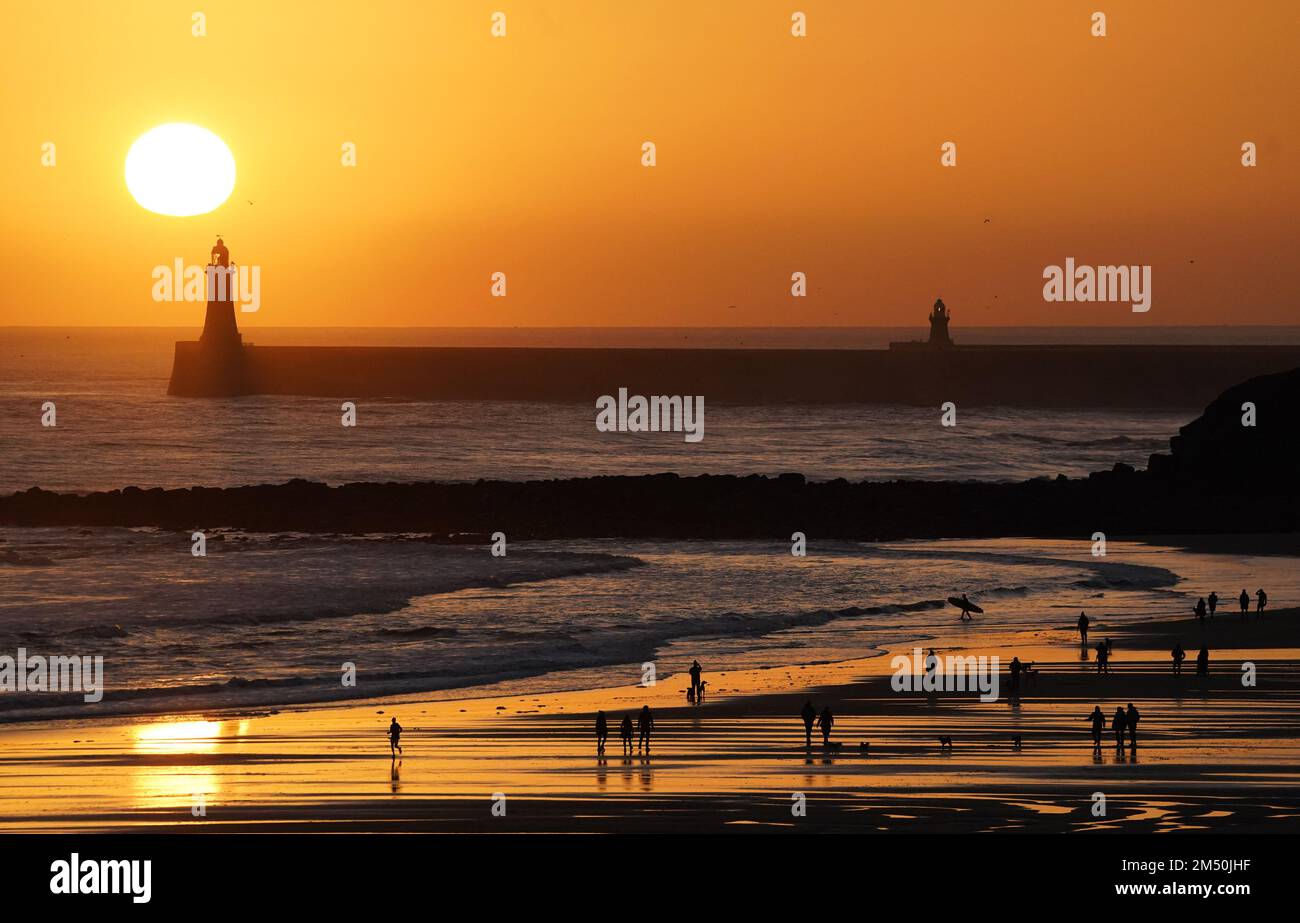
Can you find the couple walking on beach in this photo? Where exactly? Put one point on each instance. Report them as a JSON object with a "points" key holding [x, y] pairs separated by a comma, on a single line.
{"points": [[1202, 659], [1121, 723], [825, 722]]}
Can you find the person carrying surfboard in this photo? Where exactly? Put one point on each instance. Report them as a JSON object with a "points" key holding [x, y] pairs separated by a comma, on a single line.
{"points": [[966, 607]]}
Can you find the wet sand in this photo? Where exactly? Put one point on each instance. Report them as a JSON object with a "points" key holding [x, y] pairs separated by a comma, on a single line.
{"points": [[1213, 754]]}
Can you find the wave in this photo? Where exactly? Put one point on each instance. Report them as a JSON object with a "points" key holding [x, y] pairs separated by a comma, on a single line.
{"points": [[347, 602], [1101, 442], [529, 654], [1104, 574]]}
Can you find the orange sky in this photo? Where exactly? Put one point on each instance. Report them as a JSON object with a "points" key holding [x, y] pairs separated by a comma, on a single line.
{"points": [[775, 154]]}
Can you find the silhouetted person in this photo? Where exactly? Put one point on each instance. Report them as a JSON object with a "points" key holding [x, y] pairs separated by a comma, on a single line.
{"points": [[1203, 662], [1131, 723], [1244, 599], [1098, 719], [1200, 609], [645, 723], [1015, 673], [826, 721], [1083, 629], [965, 609], [1262, 598], [1214, 602], [1117, 725], [394, 737], [695, 679], [931, 662], [625, 730], [1179, 656], [809, 715], [1103, 658], [602, 731]]}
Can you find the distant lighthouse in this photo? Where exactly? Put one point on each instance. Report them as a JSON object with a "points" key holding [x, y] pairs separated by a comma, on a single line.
{"points": [[939, 338], [938, 325]]}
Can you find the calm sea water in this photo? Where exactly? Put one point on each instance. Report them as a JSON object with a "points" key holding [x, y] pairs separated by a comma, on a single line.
{"points": [[117, 426]]}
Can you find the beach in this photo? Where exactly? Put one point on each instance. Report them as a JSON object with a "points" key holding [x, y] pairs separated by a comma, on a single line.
{"points": [[1213, 754]]}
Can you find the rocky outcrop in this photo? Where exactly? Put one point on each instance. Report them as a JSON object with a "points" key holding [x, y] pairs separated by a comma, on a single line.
{"points": [[1245, 442]]}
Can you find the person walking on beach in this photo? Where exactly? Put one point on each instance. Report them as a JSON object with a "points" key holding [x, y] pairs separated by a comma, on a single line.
{"points": [[1203, 662], [1263, 600], [1098, 719], [1200, 609], [625, 730], [1083, 629], [1214, 602], [826, 721], [645, 723], [1103, 657], [931, 662], [1179, 656], [695, 672], [1131, 722], [1015, 674], [1117, 725], [602, 731], [809, 715], [1244, 599], [394, 738]]}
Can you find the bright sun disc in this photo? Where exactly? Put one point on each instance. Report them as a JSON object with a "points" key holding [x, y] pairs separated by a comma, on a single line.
{"points": [[180, 169]]}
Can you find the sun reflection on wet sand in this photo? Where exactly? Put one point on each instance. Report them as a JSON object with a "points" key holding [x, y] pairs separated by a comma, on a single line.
{"points": [[180, 782]]}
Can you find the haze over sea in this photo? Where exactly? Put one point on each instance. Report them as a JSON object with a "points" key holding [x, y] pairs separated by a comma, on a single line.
{"points": [[117, 426]]}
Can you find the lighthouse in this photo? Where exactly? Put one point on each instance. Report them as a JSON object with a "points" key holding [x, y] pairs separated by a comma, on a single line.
{"points": [[220, 332], [214, 365], [939, 338], [939, 325]]}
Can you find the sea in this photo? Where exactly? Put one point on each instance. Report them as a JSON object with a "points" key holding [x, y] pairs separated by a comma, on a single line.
{"points": [[267, 620]]}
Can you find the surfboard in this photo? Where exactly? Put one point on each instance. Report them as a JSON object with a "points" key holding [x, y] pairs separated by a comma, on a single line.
{"points": [[957, 601]]}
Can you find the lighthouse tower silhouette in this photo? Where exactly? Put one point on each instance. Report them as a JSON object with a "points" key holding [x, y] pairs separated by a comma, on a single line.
{"points": [[219, 329], [214, 366], [939, 318]]}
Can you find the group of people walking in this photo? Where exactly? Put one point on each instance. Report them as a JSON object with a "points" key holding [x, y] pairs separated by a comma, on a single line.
{"points": [[645, 725], [1121, 723], [1207, 605]]}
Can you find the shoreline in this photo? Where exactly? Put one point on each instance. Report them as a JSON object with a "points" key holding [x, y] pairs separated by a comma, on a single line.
{"points": [[590, 677], [729, 764]]}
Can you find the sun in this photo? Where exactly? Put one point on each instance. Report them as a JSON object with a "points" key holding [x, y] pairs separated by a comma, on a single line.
{"points": [[180, 169]]}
